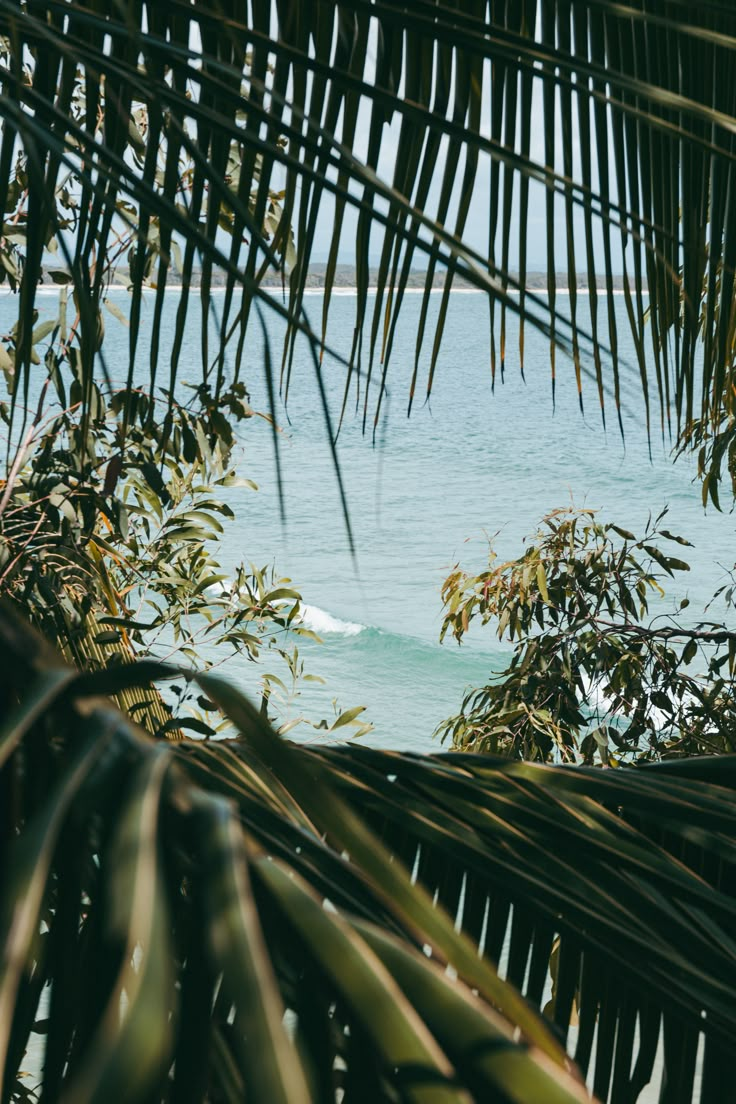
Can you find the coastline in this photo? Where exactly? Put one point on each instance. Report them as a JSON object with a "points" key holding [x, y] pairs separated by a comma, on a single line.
{"points": [[347, 290], [344, 282]]}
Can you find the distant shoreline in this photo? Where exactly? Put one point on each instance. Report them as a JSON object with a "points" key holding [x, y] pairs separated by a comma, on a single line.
{"points": [[347, 290], [344, 282]]}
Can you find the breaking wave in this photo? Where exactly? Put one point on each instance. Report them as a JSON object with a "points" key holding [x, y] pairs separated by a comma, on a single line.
{"points": [[309, 617], [320, 621]]}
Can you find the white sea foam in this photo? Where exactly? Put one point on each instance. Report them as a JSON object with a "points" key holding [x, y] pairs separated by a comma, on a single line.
{"points": [[320, 621], [309, 617], [219, 589], [601, 702]]}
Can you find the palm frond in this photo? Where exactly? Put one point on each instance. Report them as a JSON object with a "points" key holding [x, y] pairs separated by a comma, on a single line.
{"points": [[634, 171], [255, 917], [149, 916]]}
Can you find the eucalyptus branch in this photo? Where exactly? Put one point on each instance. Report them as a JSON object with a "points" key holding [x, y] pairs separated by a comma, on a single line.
{"points": [[669, 632]]}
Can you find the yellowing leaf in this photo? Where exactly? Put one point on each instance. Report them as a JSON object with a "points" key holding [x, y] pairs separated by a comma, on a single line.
{"points": [[542, 582]]}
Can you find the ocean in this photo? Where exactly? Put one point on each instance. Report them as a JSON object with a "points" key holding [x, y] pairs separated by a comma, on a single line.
{"points": [[425, 494], [468, 464]]}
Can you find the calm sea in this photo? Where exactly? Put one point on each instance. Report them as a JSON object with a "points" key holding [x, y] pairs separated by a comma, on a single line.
{"points": [[425, 495]]}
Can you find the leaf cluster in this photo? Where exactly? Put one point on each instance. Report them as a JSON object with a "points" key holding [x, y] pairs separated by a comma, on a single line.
{"points": [[108, 537], [593, 675]]}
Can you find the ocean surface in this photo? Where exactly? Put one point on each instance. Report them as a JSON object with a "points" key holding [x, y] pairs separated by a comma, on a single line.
{"points": [[426, 494]]}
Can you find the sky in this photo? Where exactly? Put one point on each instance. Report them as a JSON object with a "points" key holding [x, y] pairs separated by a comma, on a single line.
{"points": [[476, 232]]}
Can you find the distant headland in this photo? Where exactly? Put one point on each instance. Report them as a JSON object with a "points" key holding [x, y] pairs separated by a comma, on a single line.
{"points": [[345, 278]]}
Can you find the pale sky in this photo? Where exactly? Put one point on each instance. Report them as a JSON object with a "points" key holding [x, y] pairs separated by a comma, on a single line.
{"points": [[476, 231]]}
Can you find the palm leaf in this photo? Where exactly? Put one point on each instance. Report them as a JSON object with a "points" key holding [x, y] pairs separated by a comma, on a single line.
{"points": [[213, 886], [563, 855], [633, 87], [122, 863]]}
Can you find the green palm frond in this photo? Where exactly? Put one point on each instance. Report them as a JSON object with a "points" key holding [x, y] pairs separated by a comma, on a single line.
{"points": [[615, 120], [212, 920], [169, 935]]}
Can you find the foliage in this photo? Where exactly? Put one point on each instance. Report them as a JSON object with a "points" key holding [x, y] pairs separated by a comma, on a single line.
{"points": [[206, 928], [109, 548], [148, 249], [178, 128], [132, 132], [593, 674], [196, 921], [114, 495]]}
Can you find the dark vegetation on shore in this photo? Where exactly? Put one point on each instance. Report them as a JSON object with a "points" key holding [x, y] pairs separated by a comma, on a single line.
{"points": [[345, 278]]}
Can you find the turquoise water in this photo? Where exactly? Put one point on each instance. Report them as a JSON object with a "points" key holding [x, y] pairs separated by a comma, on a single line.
{"points": [[467, 464]]}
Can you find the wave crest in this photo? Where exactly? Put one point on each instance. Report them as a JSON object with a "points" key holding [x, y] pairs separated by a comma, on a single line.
{"points": [[320, 621], [309, 617]]}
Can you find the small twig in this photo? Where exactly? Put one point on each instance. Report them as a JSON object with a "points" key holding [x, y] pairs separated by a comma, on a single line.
{"points": [[21, 452]]}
